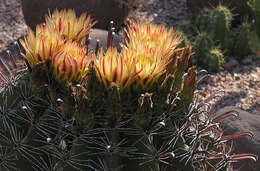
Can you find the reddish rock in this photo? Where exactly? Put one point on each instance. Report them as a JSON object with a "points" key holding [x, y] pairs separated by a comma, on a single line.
{"points": [[247, 123], [102, 10]]}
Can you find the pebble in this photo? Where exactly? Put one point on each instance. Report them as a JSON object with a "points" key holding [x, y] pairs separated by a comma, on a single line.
{"points": [[169, 12], [231, 64], [247, 60]]}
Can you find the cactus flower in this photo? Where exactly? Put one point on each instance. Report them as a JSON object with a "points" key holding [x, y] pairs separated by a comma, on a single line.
{"points": [[116, 68], [40, 46], [71, 62], [155, 38], [153, 47], [69, 26], [146, 62]]}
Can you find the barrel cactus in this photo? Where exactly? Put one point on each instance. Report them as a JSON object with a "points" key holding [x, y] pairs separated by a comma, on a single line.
{"points": [[110, 110]]}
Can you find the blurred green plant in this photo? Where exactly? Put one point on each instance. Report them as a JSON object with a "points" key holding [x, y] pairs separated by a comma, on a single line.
{"points": [[241, 41], [212, 30], [221, 23], [208, 55], [255, 35]]}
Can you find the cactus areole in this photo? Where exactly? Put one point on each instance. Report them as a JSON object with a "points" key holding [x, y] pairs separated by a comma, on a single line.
{"points": [[108, 110]]}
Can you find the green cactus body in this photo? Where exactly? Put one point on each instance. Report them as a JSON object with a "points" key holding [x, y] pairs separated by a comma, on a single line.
{"points": [[255, 7], [215, 60], [254, 43], [216, 23], [254, 35], [204, 20], [202, 45], [208, 56], [188, 31], [241, 46], [221, 20]]}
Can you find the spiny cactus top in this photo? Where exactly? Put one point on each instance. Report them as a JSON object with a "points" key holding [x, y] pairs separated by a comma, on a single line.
{"points": [[71, 62], [152, 47], [69, 26], [153, 37], [58, 42], [115, 67], [41, 46], [143, 60]]}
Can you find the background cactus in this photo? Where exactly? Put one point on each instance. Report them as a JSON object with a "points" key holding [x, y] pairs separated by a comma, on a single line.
{"points": [[204, 20], [187, 32], [207, 55], [241, 43], [212, 30], [133, 110], [221, 22], [254, 36], [215, 60], [255, 7], [217, 23], [211, 25], [203, 44]]}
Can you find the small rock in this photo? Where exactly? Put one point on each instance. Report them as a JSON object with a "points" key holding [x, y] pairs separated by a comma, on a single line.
{"points": [[247, 60], [232, 63], [236, 76], [247, 123], [101, 35]]}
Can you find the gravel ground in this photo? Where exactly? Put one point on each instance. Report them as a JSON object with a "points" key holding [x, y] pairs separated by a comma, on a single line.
{"points": [[238, 84], [169, 12], [12, 25]]}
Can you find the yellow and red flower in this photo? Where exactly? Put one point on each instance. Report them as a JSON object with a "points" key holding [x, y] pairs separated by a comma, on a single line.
{"points": [[152, 47], [116, 68], [155, 38], [71, 62], [40, 46], [69, 26], [149, 68]]}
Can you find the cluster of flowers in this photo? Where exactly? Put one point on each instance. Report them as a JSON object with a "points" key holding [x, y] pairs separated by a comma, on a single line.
{"points": [[58, 42], [145, 56]]}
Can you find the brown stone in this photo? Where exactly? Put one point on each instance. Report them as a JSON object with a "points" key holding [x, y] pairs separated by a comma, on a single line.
{"points": [[101, 35], [102, 10], [238, 7], [247, 122]]}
